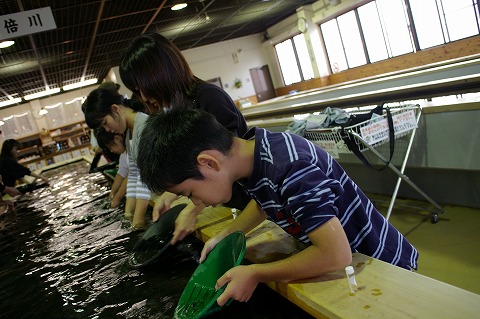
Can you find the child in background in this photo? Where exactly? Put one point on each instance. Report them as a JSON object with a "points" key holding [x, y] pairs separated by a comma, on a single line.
{"points": [[115, 143], [292, 181], [109, 109], [10, 169]]}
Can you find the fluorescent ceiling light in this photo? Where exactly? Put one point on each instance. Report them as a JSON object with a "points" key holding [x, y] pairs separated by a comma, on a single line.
{"points": [[41, 94], [53, 106], [179, 6], [74, 100], [10, 102], [80, 84], [6, 44]]}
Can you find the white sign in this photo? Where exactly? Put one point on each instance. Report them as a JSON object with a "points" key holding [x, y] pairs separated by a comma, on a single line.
{"points": [[377, 130], [404, 122], [26, 22], [329, 146]]}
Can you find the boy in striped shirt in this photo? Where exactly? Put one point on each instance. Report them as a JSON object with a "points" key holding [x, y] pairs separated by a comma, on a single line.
{"points": [[292, 181]]}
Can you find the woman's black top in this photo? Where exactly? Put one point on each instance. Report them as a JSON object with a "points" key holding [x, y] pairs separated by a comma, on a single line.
{"points": [[217, 102], [11, 170]]}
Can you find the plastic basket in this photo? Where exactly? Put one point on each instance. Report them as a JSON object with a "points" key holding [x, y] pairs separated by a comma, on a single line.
{"points": [[374, 131]]}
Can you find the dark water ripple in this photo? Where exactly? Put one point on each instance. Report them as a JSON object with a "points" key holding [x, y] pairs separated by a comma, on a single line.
{"points": [[63, 254]]}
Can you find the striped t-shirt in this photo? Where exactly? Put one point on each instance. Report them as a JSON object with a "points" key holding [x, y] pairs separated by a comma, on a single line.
{"points": [[301, 187], [135, 187]]}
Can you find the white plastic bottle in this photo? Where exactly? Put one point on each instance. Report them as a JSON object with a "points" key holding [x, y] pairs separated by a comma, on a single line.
{"points": [[352, 282]]}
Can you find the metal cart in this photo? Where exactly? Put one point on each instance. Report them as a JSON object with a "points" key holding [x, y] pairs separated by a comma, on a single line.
{"points": [[369, 135]]}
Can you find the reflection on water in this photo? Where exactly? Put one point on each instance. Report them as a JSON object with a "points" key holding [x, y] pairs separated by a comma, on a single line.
{"points": [[63, 254]]}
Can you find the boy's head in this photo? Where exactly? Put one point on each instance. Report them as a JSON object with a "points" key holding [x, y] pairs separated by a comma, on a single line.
{"points": [[115, 143], [173, 147]]}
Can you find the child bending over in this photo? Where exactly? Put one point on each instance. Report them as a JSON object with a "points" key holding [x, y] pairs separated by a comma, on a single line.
{"points": [[292, 181], [115, 143]]}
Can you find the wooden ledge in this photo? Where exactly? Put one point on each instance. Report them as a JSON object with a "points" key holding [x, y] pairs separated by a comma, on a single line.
{"points": [[385, 291]]}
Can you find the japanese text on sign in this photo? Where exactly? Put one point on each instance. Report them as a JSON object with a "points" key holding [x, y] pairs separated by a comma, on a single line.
{"points": [[329, 147], [26, 22], [377, 130]]}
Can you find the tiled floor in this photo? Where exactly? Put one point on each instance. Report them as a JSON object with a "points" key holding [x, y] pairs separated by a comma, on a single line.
{"points": [[450, 249]]}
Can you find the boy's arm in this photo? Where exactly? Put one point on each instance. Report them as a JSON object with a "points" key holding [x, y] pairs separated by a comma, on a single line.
{"points": [[117, 182], [250, 217], [117, 198], [141, 206], [330, 251], [39, 176], [185, 222], [162, 204]]}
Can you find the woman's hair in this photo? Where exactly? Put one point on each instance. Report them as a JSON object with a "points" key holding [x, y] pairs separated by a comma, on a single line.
{"points": [[7, 148], [98, 104], [156, 67]]}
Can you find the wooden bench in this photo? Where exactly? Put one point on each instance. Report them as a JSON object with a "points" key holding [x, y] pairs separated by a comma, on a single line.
{"points": [[384, 290]]}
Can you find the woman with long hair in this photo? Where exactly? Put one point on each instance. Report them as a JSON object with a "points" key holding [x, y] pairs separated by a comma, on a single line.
{"points": [[154, 69]]}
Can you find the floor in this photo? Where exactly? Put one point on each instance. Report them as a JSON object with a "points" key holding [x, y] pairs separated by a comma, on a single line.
{"points": [[450, 249]]}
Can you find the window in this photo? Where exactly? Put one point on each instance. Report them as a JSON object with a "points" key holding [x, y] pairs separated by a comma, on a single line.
{"points": [[384, 29], [17, 126], [461, 18], [349, 29], [334, 45], [373, 34], [294, 60]]}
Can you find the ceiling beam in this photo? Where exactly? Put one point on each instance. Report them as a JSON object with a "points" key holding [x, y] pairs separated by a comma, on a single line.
{"points": [[162, 5], [34, 47], [92, 42]]}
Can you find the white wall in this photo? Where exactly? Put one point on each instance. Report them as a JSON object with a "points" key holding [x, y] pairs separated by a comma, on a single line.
{"points": [[229, 60], [34, 107]]}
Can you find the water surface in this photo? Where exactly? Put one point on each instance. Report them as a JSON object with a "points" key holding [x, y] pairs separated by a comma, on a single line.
{"points": [[63, 254]]}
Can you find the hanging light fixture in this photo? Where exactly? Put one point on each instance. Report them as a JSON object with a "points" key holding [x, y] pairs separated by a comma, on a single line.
{"points": [[179, 5]]}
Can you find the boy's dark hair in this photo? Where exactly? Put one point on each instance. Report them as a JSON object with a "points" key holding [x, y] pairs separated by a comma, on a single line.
{"points": [[104, 139], [98, 104], [170, 143], [154, 65]]}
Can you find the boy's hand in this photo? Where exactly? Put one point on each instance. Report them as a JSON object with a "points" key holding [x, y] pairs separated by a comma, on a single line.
{"points": [[162, 204], [241, 284], [185, 222], [209, 245], [114, 203]]}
